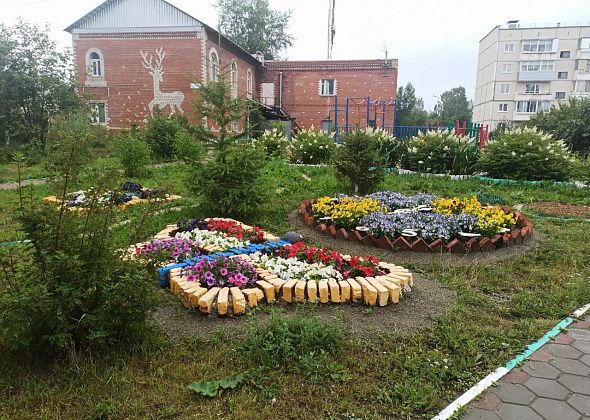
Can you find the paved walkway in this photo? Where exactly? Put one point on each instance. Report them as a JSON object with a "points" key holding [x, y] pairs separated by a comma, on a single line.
{"points": [[554, 384]]}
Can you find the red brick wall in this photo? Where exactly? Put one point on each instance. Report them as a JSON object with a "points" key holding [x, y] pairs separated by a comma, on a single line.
{"points": [[130, 86], [300, 97]]}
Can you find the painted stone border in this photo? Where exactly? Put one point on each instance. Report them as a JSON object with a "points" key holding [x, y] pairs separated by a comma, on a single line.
{"points": [[522, 233], [52, 199], [372, 291]]}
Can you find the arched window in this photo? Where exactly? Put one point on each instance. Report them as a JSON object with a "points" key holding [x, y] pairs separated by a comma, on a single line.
{"points": [[249, 83], [96, 65], [234, 79], [213, 65]]}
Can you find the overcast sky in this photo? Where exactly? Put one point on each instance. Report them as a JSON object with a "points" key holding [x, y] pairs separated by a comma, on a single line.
{"points": [[435, 41]]}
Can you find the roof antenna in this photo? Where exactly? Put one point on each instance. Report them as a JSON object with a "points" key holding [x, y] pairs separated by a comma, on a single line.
{"points": [[331, 27]]}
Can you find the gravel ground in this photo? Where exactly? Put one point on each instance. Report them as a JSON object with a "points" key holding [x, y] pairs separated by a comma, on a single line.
{"points": [[551, 208]]}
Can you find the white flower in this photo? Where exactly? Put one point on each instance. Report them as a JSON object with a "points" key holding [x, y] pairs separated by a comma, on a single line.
{"points": [[420, 162], [530, 143], [513, 153]]}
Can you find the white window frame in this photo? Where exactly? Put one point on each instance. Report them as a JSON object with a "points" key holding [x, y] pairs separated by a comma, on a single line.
{"points": [[558, 96], [504, 88], [95, 117], [327, 87], [583, 86], [95, 68], [213, 65], [507, 68], [585, 43], [537, 45], [508, 48], [249, 84], [532, 107], [503, 107], [537, 65], [569, 54], [562, 72], [536, 88]]}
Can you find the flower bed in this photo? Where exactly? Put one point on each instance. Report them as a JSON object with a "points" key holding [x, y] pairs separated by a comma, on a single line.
{"points": [[421, 223], [128, 194], [230, 282]]}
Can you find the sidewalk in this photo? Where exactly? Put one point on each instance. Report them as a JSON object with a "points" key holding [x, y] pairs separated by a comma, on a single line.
{"points": [[554, 383]]}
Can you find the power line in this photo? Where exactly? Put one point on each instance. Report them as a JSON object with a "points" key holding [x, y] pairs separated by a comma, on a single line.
{"points": [[440, 49]]}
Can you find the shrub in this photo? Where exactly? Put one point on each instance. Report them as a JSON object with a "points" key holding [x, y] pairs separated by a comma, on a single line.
{"points": [[187, 148], [274, 142], [71, 289], [569, 121], [527, 154], [230, 184], [359, 161], [133, 152], [389, 147], [160, 135], [297, 344], [312, 147], [441, 152]]}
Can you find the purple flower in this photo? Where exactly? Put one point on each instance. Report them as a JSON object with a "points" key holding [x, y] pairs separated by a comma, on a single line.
{"points": [[223, 271]]}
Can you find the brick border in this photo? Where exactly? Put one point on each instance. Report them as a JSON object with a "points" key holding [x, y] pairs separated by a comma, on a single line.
{"points": [[522, 233]]}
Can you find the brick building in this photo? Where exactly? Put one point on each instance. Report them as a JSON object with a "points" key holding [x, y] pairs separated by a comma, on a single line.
{"points": [[133, 56]]}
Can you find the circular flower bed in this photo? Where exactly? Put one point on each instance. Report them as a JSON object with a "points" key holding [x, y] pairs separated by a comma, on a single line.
{"points": [[422, 223], [230, 282]]}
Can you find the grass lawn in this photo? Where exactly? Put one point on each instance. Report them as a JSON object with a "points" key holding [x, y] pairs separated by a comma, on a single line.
{"points": [[500, 308]]}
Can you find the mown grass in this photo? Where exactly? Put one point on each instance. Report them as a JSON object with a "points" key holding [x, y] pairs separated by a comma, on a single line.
{"points": [[500, 308]]}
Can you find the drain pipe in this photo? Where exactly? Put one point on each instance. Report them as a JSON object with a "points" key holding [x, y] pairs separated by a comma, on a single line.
{"points": [[280, 90]]}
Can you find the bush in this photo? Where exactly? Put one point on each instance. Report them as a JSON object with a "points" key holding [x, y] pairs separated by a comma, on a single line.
{"points": [[312, 147], [71, 289], [187, 148], [359, 161], [133, 152], [274, 142], [527, 154], [441, 152], [298, 344], [570, 122], [160, 135], [230, 184]]}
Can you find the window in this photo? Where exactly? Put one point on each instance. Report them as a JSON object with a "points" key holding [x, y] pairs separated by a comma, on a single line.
{"points": [[327, 87], [503, 108], [505, 88], [234, 79], [249, 83], [537, 65], [585, 43], [562, 74], [213, 65], [506, 68], [530, 107], [559, 95], [564, 54], [537, 45], [532, 88], [508, 48], [95, 65], [583, 86], [99, 113]]}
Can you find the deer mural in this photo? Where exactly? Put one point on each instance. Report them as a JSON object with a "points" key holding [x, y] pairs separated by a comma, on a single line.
{"points": [[161, 99]]}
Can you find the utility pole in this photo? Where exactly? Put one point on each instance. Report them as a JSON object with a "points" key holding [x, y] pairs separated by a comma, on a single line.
{"points": [[331, 27]]}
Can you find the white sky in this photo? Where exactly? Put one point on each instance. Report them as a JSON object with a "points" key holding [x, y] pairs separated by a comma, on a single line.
{"points": [[436, 41]]}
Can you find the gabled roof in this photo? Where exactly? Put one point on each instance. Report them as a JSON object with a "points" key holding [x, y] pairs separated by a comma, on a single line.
{"points": [[114, 16]]}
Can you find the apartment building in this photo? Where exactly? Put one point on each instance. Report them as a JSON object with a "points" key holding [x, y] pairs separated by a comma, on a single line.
{"points": [[523, 69]]}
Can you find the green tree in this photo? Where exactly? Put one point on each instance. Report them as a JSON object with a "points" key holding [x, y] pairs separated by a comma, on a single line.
{"points": [[409, 109], [36, 80], [230, 182], [453, 105], [569, 121], [254, 26]]}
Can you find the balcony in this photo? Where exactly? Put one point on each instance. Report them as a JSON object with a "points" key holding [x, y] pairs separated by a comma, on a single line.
{"points": [[536, 76]]}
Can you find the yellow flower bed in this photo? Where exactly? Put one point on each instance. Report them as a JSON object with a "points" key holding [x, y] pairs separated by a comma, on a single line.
{"points": [[347, 211], [490, 219]]}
